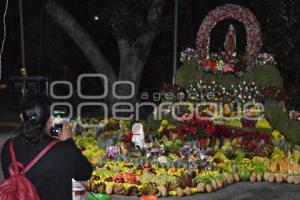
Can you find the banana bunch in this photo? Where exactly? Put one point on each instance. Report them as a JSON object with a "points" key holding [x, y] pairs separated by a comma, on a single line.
{"points": [[103, 173], [226, 166], [218, 155], [89, 148], [82, 141], [206, 177], [148, 189], [93, 154], [278, 154]]}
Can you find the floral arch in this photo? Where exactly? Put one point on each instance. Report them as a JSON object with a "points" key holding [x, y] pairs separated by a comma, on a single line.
{"points": [[239, 13]]}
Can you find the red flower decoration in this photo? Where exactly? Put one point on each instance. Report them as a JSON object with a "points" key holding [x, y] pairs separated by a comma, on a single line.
{"points": [[193, 131], [203, 142], [210, 65], [128, 137]]}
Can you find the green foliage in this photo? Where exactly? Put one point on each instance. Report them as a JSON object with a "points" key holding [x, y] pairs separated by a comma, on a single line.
{"points": [[281, 121], [265, 75], [153, 124], [129, 18], [187, 74], [254, 129]]}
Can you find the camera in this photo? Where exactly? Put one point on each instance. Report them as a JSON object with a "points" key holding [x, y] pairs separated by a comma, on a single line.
{"points": [[60, 117]]}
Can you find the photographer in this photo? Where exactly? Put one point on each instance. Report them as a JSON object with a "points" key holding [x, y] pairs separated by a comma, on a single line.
{"points": [[52, 174]]}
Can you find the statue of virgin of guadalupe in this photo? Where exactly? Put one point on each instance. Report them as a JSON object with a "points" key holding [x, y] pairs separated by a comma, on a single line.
{"points": [[230, 44]]}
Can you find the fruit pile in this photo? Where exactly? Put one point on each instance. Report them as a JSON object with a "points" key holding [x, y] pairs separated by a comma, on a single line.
{"points": [[164, 184], [187, 157]]}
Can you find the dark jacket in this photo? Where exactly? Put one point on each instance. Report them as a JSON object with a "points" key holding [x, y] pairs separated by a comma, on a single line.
{"points": [[52, 175]]}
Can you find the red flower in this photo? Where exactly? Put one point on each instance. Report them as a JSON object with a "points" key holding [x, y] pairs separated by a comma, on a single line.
{"points": [[210, 130], [193, 131], [128, 137], [210, 65], [203, 142], [254, 145]]}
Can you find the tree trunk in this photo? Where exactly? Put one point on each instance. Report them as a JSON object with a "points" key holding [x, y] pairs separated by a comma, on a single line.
{"points": [[133, 55], [86, 44], [133, 60]]}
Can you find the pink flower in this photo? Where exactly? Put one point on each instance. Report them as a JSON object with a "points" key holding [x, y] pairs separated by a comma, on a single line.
{"points": [[228, 68]]}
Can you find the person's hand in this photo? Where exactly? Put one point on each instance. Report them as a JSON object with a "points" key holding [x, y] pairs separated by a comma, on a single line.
{"points": [[65, 133], [49, 125]]}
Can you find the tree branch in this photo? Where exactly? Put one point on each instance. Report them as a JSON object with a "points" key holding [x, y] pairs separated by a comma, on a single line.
{"points": [[155, 12], [154, 16], [133, 55], [124, 51], [86, 44]]}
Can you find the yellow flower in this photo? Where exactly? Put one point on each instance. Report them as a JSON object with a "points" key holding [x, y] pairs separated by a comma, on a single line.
{"points": [[171, 126], [164, 122], [277, 135], [160, 129], [123, 122]]}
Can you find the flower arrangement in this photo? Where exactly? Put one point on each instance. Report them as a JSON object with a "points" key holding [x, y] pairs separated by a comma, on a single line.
{"points": [[217, 63], [195, 128], [214, 63], [190, 157], [243, 15]]}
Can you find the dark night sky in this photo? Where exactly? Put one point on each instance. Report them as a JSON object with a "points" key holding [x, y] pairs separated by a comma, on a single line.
{"points": [[60, 50]]}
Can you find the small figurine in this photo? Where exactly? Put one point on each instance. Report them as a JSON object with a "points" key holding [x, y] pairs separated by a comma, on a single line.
{"points": [[138, 135], [230, 44]]}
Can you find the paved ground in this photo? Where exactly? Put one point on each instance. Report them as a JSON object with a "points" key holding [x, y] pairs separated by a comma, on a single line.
{"points": [[242, 191]]}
